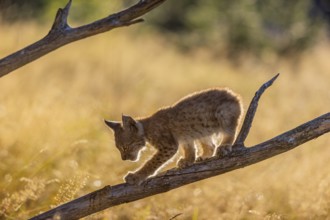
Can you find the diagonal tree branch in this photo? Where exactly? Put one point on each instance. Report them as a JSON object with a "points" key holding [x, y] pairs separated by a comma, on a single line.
{"points": [[61, 33], [240, 157]]}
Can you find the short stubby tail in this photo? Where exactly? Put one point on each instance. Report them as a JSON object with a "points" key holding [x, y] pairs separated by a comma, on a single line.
{"points": [[229, 115]]}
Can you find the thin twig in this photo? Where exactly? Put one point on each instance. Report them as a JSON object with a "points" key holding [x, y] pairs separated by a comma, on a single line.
{"points": [[177, 215], [251, 112]]}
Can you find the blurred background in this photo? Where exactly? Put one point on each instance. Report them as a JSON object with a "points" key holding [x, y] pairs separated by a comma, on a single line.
{"points": [[54, 146]]}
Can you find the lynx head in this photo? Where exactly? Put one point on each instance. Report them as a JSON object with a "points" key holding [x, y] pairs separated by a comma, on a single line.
{"points": [[129, 137]]}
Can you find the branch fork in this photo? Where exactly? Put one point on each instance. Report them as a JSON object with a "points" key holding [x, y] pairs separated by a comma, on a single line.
{"points": [[61, 33], [240, 157], [239, 142], [61, 18]]}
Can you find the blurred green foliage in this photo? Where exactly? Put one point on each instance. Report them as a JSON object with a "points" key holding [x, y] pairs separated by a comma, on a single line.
{"points": [[257, 26], [12, 10], [44, 11], [229, 28]]}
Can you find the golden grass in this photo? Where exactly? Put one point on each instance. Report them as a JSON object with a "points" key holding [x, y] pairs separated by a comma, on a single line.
{"points": [[54, 146]]}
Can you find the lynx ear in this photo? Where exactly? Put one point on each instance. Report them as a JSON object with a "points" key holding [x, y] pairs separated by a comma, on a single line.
{"points": [[112, 124], [128, 122]]}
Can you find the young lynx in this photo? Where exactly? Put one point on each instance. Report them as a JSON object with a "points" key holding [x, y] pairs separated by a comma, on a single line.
{"points": [[195, 118]]}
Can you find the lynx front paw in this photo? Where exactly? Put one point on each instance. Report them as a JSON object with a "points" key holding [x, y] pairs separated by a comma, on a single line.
{"points": [[133, 179]]}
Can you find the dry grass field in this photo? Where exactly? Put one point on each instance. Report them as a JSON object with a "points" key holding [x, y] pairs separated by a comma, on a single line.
{"points": [[54, 146]]}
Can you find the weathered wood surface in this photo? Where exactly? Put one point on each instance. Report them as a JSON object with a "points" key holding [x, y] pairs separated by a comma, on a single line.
{"points": [[240, 157], [61, 33]]}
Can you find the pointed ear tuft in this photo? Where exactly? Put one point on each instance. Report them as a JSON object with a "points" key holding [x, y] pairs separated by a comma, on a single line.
{"points": [[128, 122], [112, 124]]}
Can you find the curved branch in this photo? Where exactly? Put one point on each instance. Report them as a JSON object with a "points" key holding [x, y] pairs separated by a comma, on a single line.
{"points": [[251, 112], [61, 33], [123, 193]]}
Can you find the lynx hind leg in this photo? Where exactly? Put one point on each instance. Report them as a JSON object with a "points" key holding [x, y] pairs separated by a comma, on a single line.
{"points": [[226, 144], [208, 148], [189, 154], [228, 115]]}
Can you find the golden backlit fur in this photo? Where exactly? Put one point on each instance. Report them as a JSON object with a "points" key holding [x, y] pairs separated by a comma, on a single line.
{"points": [[195, 118]]}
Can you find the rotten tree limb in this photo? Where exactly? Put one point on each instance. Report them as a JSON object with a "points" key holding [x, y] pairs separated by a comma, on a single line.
{"points": [[61, 33], [240, 157]]}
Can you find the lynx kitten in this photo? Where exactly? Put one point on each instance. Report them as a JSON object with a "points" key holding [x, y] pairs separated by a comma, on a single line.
{"points": [[195, 118]]}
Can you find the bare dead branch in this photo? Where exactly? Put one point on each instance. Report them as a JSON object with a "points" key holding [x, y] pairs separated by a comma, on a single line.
{"points": [[240, 157], [251, 112], [61, 33], [61, 18]]}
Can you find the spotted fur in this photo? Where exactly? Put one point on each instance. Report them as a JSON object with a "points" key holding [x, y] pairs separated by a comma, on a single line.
{"points": [[196, 118]]}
